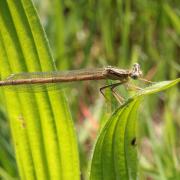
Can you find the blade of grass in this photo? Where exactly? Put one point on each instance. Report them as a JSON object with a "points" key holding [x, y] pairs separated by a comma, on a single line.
{"points": [[173, 17]]}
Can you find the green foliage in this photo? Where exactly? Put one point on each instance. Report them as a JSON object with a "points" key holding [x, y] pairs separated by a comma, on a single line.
{"points": [[88, 33], [41, 125], [115, 153]]}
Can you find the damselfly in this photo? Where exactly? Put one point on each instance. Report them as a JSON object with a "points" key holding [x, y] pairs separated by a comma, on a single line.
{"points": [[40, 81]]}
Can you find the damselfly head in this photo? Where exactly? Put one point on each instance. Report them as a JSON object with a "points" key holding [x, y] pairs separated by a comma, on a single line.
{"points": [[136, 71]]}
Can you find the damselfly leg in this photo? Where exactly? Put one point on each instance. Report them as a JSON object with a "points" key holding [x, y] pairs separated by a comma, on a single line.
{"points": [[118, 97], [112, 87]]}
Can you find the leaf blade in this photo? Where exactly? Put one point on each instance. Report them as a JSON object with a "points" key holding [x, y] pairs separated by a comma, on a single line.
{"points": [[48, 134], [122, 128]]}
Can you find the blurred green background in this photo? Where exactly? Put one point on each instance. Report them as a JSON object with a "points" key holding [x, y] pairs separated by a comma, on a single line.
{"points": [[98, 33]]}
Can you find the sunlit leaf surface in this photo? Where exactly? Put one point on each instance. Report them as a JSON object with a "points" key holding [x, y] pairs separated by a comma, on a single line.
{"points": [[41, 125]]}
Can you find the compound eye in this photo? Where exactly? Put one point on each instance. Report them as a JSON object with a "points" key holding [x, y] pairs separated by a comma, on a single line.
{"points": [[136, 72]]}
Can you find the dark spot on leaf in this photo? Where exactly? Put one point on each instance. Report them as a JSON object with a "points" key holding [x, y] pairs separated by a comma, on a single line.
{"points": [[133, 142], [66, 11]]}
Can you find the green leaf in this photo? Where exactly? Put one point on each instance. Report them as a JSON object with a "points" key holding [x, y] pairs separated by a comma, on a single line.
{"points": [[41, 124], [115, 154], [157, 87]]}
